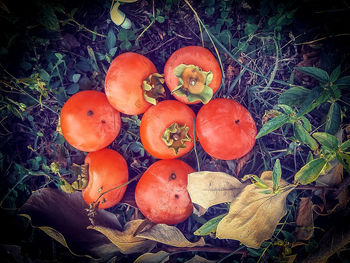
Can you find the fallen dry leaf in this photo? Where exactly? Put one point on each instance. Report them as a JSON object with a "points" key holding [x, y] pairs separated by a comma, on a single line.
{"points": [[253, 215], [63, 217], [241, 162], [210, 188], [199, 259], [169, 235], [159, 257], [305, 219], [125, 240]]}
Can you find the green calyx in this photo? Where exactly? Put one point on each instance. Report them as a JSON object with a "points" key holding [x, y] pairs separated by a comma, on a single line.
{"points": [[193, 83], [175, 136], [153, 88]]}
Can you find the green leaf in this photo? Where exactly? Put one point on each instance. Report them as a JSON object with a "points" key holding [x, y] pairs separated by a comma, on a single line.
{"points": [[111, 40], [76, 77], [112, 51], [303, 136], [286, 108], [310, 171], [255, 180], [327, 140], [306, 123], [272, 125], [343, 81], [250, 28], [160, 19], [209, 227], [44, 75], [209, 11], [315, 98], [125, 45], [333, 119], [276, 174], [335, 74], [72, 89], [122, 35], [317, 73], [345, 145], [310, 157]]}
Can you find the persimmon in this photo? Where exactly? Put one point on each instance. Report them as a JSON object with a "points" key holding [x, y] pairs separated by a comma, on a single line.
{"points": [[132, 83], [161, 193], [166, 129], [88, 122], [225, 129], [192, 74], [107, 170]]}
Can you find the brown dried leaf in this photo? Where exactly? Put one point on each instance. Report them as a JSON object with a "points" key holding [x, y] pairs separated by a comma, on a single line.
{"points": [[305, 220], [125, 240], [169, 235], [159, 257], [241, 162], [332, 177], [199, 259], [210, 188], [63, 217], [254, 215]]}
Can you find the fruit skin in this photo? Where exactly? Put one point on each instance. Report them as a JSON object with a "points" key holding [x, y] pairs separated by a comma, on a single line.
{"points": [[88, 122], [123, 82], [155, 121], [163, 197], [225, 129], [107, 169], [192, 55]]}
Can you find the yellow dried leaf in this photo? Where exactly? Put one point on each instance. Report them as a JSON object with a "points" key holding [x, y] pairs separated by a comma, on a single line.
{"points": [[159, 257], [169, 235], [210, 188], [125, 240], [254, 215]]}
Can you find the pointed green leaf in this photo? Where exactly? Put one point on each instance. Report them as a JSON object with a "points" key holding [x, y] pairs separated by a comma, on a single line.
{"points": [[306, 123], [344, 160], [294, 96], [333, 119], [286, 108], [317, 73], [255, 180], [111, 40], [310, 171], [303, 136], [310, 157], [335, 74], [315, 98], [345, 145], [272, 125], [276, 174], [327, 140], [209, 227], [343, 81]]}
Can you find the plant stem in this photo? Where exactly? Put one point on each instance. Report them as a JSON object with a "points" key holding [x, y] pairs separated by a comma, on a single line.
{"points": [[85, 28]]}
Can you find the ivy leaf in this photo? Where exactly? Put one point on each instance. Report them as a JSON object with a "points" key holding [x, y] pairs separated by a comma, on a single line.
{"points": [[310, 171], [317, 73], [209, 227], [333, 119], [328, 141], [273, 124]]}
